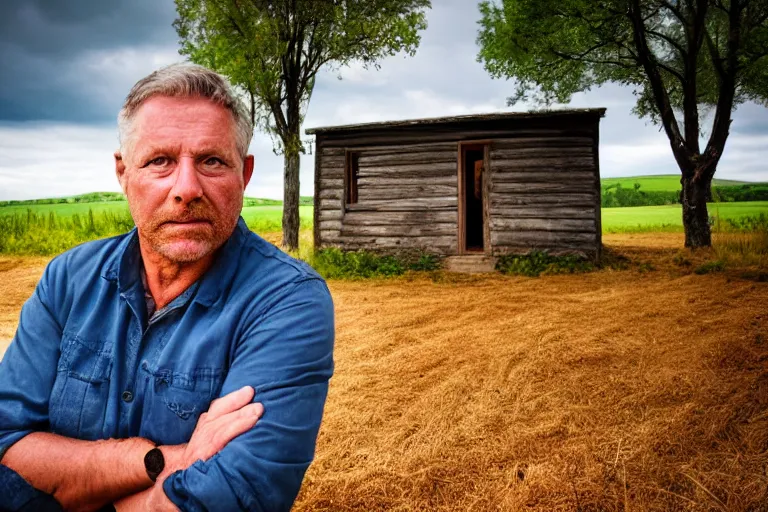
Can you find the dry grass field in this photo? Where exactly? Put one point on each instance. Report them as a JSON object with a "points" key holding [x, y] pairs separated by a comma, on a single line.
{"points": [[637, 389]]}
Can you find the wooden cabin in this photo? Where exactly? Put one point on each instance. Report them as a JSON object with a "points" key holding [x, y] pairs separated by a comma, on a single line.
{"points": [[480, 184]]}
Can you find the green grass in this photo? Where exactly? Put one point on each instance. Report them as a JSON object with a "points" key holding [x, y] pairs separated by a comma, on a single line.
{"points": [[661, 182], [268, 219], [670, 217], [54, 228], [102, 197], [48, 229], [67, 209]]}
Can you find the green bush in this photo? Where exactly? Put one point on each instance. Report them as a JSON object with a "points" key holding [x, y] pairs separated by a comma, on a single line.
{"points": [[710, 267], [747, 223], [536, 263], [739, 193], [615, 195], [333, 263]]}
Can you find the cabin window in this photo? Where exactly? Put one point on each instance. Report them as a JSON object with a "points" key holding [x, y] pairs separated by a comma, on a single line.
{"points": [[350, 178]]}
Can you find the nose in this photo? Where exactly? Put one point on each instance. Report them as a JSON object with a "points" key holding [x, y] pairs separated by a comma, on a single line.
{"points": [[187, 187]]}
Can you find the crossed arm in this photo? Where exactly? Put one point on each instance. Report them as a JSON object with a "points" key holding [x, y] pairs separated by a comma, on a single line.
{"points": [[86, 475], [285, 355]]}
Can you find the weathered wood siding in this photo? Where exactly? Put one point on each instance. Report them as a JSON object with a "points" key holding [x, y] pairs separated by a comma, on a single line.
{"points": [[407, 198], [545, 194], [543, 185]]}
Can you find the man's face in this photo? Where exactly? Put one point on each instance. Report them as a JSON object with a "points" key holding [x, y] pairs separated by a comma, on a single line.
{"points": [[183, 176]]}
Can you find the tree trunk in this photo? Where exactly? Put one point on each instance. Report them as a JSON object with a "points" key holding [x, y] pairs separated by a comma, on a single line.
{"points": [[291, 199], [695, 217]]}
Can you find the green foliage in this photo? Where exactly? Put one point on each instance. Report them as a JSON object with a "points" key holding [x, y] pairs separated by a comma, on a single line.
{"points": [[333, 263], [683, 61], [48, 229], [537, 262], [747, 223], [48, 234], [272, 50], [615, 195], [425, 262], [740, 193], [555, 48], [710, 267]]}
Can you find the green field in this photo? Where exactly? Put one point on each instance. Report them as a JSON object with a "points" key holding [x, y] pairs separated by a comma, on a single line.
{"points": [[670, 217], [259, 218], [661, 182], [53, 228]]}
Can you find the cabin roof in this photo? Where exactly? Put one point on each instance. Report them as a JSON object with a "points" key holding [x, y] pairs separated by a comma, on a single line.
{"points": [[472, 118]]}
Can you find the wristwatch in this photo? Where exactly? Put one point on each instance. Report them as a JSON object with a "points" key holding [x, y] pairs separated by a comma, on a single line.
{"points": [[154, 463]]}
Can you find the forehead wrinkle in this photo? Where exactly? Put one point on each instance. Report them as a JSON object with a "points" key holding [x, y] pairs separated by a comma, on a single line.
{"points": [[153, 148], [183, 125]]}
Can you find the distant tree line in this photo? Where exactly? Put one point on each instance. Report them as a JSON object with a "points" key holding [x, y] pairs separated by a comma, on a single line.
{"points": [[617, 196], [93, 197]]}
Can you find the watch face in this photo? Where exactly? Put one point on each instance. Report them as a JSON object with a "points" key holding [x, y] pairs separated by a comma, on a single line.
{"points": [[154, 462]]}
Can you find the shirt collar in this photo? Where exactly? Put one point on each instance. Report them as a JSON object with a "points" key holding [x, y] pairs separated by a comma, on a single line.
{"points": [[124, 266]]}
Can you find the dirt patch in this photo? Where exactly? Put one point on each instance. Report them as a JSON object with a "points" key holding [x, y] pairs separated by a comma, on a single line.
{"points": [[636, 389], [18, 277], [645, 240]]}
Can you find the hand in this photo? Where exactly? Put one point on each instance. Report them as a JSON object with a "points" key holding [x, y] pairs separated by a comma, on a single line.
{"points": [[227, 418]]}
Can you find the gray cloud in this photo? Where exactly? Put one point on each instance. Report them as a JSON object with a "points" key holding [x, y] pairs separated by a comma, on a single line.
{"points": [[66, 66], [48, 47]]}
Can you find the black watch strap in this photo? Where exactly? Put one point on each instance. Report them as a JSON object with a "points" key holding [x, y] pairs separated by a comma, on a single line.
{"points": [[154, 463]]}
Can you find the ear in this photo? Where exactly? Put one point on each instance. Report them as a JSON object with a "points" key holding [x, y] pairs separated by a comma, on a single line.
{"points": [[120, 169], [247, 170]]}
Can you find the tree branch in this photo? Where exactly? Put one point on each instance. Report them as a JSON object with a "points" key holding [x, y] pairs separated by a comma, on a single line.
{"points": [[671, 41], [660, 95]]}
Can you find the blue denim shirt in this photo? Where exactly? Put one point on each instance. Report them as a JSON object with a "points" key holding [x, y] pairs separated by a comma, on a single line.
{"points": [[86, 363]]}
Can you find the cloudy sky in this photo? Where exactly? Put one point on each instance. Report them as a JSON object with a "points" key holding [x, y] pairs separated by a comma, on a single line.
{"points": [[65, 68]]}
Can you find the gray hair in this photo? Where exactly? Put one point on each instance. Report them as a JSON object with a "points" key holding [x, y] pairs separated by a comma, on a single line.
{"points": [[186, 80]]}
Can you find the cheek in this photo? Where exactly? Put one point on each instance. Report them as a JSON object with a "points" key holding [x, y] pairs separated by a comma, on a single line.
{"points": [[226, 194], [146, 197]]}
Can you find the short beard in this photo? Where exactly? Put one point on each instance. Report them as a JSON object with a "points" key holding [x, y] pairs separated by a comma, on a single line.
{"points": [[199, 244]]}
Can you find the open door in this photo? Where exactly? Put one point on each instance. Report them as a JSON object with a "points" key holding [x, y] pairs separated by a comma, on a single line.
{"points": [[473, 168]]}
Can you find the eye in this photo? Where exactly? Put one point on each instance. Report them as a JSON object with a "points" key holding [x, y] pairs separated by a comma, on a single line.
{"points": [[213, 161], [159, 161]]}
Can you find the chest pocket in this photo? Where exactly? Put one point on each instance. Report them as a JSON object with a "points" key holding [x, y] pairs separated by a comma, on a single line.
{"points": [[174, 402], [78, 403]]}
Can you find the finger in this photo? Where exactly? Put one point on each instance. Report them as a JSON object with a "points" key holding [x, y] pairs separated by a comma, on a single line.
{"points": [[230, 426], [231, 402]]}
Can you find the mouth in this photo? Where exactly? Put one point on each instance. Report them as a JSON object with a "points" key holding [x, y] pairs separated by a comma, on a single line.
{"points": [[188, 222]]}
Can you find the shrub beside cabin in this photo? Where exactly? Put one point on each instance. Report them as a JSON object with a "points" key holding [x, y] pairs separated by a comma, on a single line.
{"points": [[481, 184]]}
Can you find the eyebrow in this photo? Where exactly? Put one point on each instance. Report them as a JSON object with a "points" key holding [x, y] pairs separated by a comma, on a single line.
{"points": [[201, 152]]}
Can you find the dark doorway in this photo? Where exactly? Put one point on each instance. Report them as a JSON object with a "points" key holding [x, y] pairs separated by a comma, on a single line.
{"points": [[474, 170]]}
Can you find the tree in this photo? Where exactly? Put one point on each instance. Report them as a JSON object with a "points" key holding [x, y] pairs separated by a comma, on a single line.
{"points": [[273, 49], [684, 58]]}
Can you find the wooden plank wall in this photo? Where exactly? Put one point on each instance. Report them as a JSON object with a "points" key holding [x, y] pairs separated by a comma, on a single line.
{"points": [[407, 198], [545, 194]]}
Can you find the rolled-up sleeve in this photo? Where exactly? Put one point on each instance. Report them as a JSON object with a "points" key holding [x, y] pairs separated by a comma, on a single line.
{"points": [[287, 356], [28, 368]]}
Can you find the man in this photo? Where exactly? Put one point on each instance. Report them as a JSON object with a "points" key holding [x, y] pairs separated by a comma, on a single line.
{"points": [[127, 342]]}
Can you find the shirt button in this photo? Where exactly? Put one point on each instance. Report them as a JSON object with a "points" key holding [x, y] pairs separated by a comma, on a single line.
{"points": [[127, 396]]}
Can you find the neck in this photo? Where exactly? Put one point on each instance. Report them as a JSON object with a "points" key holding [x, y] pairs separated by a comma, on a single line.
{"points": [[167, 279]]}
